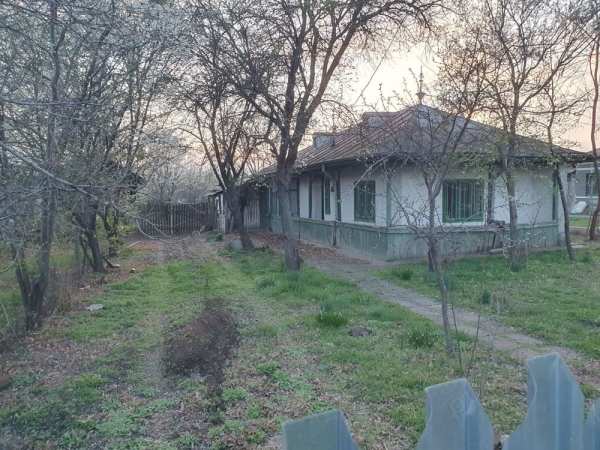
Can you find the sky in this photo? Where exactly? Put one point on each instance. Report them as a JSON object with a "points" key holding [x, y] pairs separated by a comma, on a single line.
{"points": [[397, 72]]}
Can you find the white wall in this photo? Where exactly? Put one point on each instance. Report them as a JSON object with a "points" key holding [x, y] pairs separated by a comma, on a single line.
{"points": [[351, 175], [408, 193]]}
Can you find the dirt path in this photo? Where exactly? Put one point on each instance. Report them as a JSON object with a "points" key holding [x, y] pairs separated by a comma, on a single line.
{"points": [[492, 333]]}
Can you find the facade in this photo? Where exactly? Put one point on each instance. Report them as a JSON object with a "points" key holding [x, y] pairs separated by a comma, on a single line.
{"points": [[586, 186], [374, 203]]}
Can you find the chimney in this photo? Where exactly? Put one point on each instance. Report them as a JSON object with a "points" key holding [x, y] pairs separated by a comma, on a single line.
{"points": [[322, 140]]}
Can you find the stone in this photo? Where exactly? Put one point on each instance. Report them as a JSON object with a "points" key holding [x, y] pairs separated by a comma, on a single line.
{"points": [[95, 307], [360, 331], [5, 381], [235, 245], [132, 270]]}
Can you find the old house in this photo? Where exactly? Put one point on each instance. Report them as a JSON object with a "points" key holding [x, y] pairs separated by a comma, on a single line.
{"points": [[362, 189]]}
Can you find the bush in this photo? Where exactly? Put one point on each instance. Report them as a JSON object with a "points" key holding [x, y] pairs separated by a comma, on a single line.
{"points": [[406, 274], [329, 318], [265, 282], [422, 335], [486, 298]]}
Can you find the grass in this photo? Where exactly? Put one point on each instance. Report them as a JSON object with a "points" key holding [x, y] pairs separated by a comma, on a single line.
{"points": [[289, 364], [553, 299]]}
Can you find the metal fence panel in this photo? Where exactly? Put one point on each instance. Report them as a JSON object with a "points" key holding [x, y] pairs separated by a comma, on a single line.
{"points": [[555, 411], [455, 419], [325, 431]]}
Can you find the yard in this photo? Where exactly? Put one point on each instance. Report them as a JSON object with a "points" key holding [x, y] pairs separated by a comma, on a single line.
{"points": [[551, 298], [97, 379]]}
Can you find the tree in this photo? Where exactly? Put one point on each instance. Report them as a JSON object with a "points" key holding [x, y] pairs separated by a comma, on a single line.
{"points": [[594, 65], [281, 57], [437, 142], [527, 42], [226, 125]]}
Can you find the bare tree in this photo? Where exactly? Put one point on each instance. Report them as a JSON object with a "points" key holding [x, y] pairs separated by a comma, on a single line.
{"points": [[282, 56], [226, 126], [594, 65], [527, 43]]}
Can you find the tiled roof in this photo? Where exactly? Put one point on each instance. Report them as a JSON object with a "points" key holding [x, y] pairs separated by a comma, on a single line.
{"points": [[407, 132]]}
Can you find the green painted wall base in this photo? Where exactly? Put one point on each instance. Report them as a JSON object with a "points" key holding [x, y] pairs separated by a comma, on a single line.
{"points": [[401, 243]]}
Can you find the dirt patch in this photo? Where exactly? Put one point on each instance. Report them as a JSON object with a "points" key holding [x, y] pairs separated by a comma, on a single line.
{"points": [[204, 345]]}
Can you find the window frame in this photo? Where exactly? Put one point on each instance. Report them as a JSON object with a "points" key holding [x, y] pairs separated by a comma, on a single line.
{"points": [[359, 188], [589, 185], [474, 218], [327, 196]]}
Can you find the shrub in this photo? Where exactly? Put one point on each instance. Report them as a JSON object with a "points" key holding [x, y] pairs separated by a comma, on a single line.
{"points": [[406, 274], [329, 318], [486, 298], [265, 282], [422, 335]]}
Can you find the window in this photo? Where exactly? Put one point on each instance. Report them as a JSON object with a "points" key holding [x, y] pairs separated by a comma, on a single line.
{"points": [[463, 201], [327, 196], [591, 188], [364, 201], [293, 193]]}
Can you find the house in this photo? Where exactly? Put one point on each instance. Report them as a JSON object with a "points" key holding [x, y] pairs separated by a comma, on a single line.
{"points": [[586, 186], [361, 189]]}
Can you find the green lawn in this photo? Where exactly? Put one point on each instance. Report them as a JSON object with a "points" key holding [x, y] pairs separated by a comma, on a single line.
{"points": [[295, 357], [552, 298], [580, 222]]}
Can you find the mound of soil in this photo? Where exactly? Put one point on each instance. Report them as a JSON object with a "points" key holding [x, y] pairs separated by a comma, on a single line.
{"points": [[204, 344]]}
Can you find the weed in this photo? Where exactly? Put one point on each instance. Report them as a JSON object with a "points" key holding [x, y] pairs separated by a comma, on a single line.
{"points": [[422, 335], [268, 368], [406, 274], [187, 441], [329, 318], [486, 297], [234, 395]]}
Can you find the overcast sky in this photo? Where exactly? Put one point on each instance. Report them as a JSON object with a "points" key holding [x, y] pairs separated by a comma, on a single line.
{"points": [[394, 75]]}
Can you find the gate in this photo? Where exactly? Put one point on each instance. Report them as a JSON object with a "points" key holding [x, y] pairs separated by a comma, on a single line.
{"points": [[174, 218]]}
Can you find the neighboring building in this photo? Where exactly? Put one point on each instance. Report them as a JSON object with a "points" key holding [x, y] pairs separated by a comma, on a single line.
{"points": [[361, 190], [586, 185]]}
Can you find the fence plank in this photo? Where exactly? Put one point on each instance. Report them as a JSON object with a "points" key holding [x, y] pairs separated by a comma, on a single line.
{"points": [[455, 419], [555, 411], [326, 431], [591, 433]]}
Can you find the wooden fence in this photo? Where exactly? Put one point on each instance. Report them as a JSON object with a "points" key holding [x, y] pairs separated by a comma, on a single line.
{"points": [[175, 218], [456, 420]]}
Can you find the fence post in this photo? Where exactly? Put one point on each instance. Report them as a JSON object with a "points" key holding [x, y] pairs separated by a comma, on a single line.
{"points": [[455, 419], [325, 431], [554, 408]]}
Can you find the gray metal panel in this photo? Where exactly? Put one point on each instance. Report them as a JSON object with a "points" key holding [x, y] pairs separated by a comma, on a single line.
{"points": [[555, 409], [591, 432], [326, 431], [455, 419]]}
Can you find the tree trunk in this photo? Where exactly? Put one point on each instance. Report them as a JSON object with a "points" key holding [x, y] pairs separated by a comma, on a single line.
{"points": [[292, 255], [87, 221], [32, 296], [435, 259], [110, 220], [235, 205], [565, 206], [515, 250], [595, 69]]}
